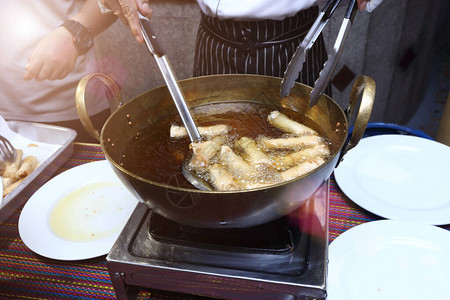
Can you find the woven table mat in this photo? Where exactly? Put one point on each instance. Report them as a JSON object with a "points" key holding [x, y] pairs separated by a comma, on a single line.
{"points": [[26, 275], [344, 214], [83, 153]]}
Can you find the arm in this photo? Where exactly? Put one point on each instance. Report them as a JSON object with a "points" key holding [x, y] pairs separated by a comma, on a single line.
{"points": [[55, 54]]}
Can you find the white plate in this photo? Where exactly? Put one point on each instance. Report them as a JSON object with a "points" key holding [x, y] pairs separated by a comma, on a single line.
{"points": [[78, 214], [390, 260], [398, 177]]}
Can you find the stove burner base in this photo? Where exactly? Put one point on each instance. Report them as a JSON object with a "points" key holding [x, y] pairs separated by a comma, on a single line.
{"points": [[295, 268]]}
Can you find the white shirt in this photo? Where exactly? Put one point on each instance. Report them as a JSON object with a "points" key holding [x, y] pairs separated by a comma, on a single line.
{"points": [[262, 9], [23, 23], [253, 9]]}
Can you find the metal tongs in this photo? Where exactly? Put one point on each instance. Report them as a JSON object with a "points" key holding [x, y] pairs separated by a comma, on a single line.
{"points": [[296, 64], [174, 88], [157, 51]]}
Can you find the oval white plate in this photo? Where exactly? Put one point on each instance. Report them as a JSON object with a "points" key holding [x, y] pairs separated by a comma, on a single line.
{"points": [[398, 177], [78, 214], [390, 260]]}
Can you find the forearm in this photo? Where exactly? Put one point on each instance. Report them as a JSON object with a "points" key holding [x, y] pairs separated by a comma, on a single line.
{"points": [[56, 53], [91, 17]]}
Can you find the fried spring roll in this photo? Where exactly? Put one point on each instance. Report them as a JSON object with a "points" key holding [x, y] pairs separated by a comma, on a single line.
{"points": [[299, 156], [204, 151], [221, 179], [301, 169], [28, 165], [236, 165], [7, 181], [9, 188], [285, 124], [11, 169], [290, 143], [255, 155], [206, 131]]}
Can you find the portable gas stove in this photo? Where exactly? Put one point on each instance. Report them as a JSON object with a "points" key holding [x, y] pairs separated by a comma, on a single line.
{"points": [[283, 259]]}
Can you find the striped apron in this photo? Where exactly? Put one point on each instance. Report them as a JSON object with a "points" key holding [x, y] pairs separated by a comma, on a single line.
{"points": [[257, 47]]}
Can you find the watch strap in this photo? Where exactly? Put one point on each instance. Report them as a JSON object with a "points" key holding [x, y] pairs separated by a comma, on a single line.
{"points": [[77, 29], [74, 27]]}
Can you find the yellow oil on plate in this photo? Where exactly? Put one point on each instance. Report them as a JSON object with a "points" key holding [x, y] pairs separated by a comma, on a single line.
{"points": [[78, 214]]}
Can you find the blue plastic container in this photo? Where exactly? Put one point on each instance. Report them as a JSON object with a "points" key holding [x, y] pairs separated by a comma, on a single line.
{"points": [[378, 128]]}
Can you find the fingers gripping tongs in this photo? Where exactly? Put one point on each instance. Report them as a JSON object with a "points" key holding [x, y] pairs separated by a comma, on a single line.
{"points": [[296, 64]]}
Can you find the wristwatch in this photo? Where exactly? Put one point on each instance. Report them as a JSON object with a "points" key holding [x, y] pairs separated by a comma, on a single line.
{"points": [[82, 37]]}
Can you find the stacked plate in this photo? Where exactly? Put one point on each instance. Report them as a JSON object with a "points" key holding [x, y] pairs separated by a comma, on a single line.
{"points": [[398, 177], [404, 179], [389, 259]]}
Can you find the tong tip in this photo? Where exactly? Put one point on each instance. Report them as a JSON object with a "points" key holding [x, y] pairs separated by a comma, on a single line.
{"points": [[314, 98]]}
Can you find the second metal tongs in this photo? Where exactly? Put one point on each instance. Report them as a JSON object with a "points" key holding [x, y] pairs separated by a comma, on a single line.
{"points": [[296, 64]]}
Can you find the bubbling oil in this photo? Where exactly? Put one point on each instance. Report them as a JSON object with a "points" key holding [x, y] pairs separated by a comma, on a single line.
{"points": [[154, 155]]}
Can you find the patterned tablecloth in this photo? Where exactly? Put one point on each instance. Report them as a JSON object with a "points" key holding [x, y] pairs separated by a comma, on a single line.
{"points": [[26, 275]]}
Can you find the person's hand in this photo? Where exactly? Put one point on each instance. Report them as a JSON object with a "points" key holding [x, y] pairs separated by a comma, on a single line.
{"points": [[53, 57], [362, 4], [368, 5], [127, 11]]}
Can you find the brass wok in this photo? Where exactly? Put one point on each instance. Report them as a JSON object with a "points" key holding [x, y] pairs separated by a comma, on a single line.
{"points": [[215, 209]]}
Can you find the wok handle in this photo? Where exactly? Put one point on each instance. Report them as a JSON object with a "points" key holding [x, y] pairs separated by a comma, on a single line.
{"points": [[366, 86], [80, 100]]}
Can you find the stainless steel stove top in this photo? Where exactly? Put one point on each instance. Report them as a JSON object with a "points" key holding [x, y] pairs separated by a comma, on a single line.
{"points": [[284, 259]]}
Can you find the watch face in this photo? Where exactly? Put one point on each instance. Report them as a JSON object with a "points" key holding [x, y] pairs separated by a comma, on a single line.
{"points": [[83, 42], [82, 37]]}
